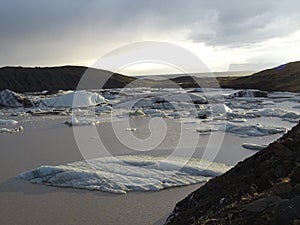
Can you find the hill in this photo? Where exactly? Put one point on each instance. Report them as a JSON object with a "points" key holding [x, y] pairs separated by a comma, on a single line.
{"points": [[21, 79], [263, 189], [282, 78]]}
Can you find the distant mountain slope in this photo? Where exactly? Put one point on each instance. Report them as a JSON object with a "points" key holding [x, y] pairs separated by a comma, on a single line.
{"points": [[19, 79], [262, 190], [282, 78], [22, 79]]}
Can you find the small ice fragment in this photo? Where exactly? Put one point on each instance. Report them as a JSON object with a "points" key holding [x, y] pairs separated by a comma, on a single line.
{"points": [[254, 147]]}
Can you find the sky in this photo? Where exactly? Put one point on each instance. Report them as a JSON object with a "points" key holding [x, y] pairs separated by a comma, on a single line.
{"points": [[225, 35]]}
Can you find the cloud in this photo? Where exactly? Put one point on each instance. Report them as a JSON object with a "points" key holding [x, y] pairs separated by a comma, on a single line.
{"points": [[66, 31]]}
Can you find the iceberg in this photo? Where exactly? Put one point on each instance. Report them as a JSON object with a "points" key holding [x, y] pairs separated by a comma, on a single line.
{"points": [[190, 97], [82, 122], [154, 113], [8, 122], [74, 99], [221, 109], [277, 113], [9, 98], [11, 130], [296, 107], [121, 174], [137, 113], [249, 94], [246, 130]]}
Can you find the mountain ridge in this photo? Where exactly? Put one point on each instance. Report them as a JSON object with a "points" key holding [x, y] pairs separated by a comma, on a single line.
{"points": [[285, 77]]}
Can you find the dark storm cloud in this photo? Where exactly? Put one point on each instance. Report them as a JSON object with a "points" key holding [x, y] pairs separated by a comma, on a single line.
{"points": [[44, 30]]}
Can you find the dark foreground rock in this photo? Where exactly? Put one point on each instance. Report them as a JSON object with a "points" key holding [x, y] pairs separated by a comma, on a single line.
{"points": [[263, 189]]}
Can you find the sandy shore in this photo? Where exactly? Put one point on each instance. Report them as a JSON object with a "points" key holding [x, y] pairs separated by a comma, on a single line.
{"points": [[52, 142]]}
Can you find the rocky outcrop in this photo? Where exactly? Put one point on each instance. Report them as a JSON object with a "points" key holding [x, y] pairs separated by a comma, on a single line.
{"points": [[263, 189]]}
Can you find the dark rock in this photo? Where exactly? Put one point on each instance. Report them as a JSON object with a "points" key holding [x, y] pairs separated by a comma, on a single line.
{"points": [[280, 150], [261, 204], [296, 189], [295, 176], [289, 143], [282, 188], [280, 171], [263, 189], [287, 212]]}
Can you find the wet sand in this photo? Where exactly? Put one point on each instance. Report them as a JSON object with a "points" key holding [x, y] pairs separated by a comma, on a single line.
{"points": [[52, 142]]}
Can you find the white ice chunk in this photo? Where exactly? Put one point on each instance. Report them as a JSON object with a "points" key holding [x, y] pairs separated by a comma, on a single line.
{"points": [[9, 98], [277, 113], [249, 94], [11, 130], [254, 147], [82, 121], [221, 109], [8, 122], [297, 107], [246, 130], [74, 99], [121, 174], [190, 97]]}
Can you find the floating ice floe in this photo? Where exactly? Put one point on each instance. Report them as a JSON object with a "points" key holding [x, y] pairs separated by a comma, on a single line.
{"points": [[277, 113], [205, 130], [297, 107], [109, 95], [254, 147], [82, 122], [8, 122], [9, 98], [137, 112], [187, 97], [103, 109], [154, 113], [11, 130], [238, 120], [130, 129], [74, 99], [245, 105], [175, 114], [121, 174], [246, 130], [221, 109], [197, 90], [249, 94]]}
